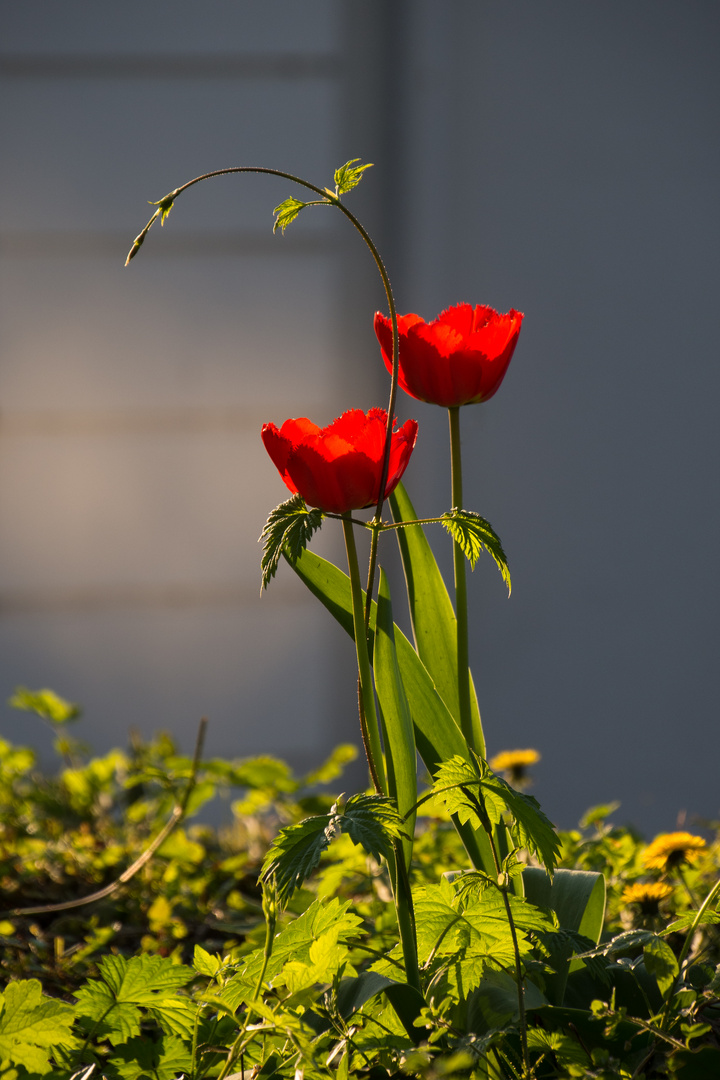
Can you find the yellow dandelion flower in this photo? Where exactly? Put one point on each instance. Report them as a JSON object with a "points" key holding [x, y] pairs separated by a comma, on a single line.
{"points": [[514, 762], [670, 849], [647, 894]]}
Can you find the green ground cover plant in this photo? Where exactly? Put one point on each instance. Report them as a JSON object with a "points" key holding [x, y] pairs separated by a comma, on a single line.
{"points": [[434, 925]]}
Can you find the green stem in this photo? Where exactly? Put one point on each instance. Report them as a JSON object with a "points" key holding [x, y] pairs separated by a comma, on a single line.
{"points": [[461, 603], [366, 695], [327, 198], [406, 918], [503, 886], [270, 911]]}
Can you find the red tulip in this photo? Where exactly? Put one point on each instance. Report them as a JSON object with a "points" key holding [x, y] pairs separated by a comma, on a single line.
{"points": [[337, 468], [457, 359]]}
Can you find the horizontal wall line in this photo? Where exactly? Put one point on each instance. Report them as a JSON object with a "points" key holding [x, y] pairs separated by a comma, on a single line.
{"points": [[190, 420], [66, 243], [290, 65], [108, 598]]}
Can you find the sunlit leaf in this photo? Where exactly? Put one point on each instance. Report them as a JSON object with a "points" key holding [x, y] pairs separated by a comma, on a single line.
{"points": [[349, 175], [473, 533], [286, 212], [287, 531], [432, 616], [661, 962], [371, 821], [46, 703], [31, 1025]]}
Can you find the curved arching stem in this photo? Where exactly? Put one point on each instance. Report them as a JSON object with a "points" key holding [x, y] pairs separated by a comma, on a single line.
{"points": [[327, 198]]}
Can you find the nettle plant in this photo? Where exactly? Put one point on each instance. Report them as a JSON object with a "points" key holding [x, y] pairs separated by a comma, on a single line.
{"points": [[492, 969]]}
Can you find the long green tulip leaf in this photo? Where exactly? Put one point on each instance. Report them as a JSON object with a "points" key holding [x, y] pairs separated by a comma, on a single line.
{"points": [[578, 899], [397, 724], [437, 736], [432, 616]]}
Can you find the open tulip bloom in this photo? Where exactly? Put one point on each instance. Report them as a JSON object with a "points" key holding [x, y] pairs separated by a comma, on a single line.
{"points": [[460, 358], [339, 467]]}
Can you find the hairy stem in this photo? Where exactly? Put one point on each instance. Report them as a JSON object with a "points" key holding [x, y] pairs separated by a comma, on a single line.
{"points": [[503, 886], [327, 198], [366, 695]]}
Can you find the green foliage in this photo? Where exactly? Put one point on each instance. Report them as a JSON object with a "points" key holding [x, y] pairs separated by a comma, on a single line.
{"points": [[287, 532], [473, 533], [286, 212], [349, 175], [369, 820], [45, 703], [174, 974], [31, 1025], [434, 624], [481, 798]]}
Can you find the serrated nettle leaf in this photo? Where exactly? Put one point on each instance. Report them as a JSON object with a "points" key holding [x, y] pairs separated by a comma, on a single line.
{"points": [[286, 213], [206, 963], [31, 1025], [294, 941], [164, 1059], [369, 820], [473, 533], [142, 978], [684, 922], [296, 852], [287, 532], [326, 957], [661, 962], [349, 175], [477, 793], [372, 821]]}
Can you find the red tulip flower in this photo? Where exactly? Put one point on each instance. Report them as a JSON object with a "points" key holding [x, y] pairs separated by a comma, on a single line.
{"points": [[337, 468], [460, 358]]}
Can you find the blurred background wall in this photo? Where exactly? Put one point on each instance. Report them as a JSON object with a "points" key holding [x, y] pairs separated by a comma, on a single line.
{"points": [[559, 158]]}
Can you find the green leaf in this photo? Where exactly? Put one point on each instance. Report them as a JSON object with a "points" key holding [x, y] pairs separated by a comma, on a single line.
{"points": [[432, 616], [370, 820], [578, 899], [567, 1049], [397, 725], [31, 1025], [326, 958], [286, 213], [661, 962], [287, 531], [113, 1004], [293, 943], [46, 703], [296, 852], [164, 205], [206, 963], [530, 827], [145, 1059], [349, 175], [685, 921], [473, 533], [474, 792], [437, 735]]}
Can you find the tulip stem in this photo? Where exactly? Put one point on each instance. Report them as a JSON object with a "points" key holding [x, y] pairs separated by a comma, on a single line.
{"points": [[461, 603], [366, 695]]}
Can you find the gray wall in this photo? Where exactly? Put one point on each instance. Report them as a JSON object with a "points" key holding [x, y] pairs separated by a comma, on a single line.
{"points": [[558, 158]]}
